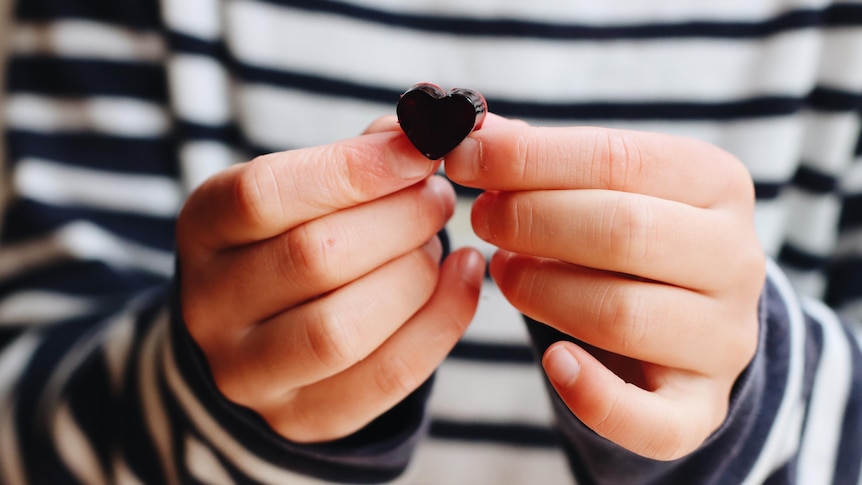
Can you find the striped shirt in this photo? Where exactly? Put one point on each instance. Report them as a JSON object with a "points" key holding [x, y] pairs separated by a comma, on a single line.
{"points": [[114, 110]]}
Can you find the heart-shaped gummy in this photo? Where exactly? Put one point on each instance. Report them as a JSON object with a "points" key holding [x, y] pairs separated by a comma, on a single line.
{"points": [[436, 121]]}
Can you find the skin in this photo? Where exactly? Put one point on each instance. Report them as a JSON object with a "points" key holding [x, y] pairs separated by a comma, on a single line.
{"points": [[312, 275], [640, 245], [648, 240]]}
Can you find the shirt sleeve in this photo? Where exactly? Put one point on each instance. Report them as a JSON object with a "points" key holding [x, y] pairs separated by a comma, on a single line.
{"points": [[99, 381], [129, 396], [795, 413], [378, 452]]}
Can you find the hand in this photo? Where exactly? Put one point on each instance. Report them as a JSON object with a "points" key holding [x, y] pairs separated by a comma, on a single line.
{"points": [[640, 245], [311, 280]]}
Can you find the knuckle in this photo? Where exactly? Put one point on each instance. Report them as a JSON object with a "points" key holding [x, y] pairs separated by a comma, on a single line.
{"points": [[296, 422], [743, 183], [742, 345], [523, 285], [525, 148], [667, 443], [233, 384], [630, 228], [311, 254], [453, 321], [352, 172], [627, 319], [738, 184], [256, 192], [608, 418], [331, 338], [751, 265], [513, 222], [752, 262], [397, 376], [522, 222], [620, 159], [346, 180], [426, 271], [674, 438]]}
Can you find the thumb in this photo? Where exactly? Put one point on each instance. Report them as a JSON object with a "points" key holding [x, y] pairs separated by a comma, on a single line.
{"points": [[662, 424]]}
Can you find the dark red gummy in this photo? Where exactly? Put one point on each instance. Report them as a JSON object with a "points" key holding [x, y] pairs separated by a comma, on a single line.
{"points": [[436, 121]]}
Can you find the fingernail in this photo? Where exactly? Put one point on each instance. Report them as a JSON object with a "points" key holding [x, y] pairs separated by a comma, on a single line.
{"points": [[434, 248], [561, 366], [464, 164], [479, 218], [408, 163], [474, 264], [499, 262]]}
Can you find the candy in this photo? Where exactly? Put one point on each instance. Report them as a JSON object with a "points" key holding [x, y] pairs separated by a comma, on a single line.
{"points": [[436, 121]]}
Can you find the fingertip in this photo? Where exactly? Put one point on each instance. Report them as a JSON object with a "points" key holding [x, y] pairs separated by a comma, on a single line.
{"points": [[434, 248], [481, 214], [444, 190], [562, 366], [464, 164], [469, 264], [468, 164], [474, 264], [592, 392], [460, 281], [403, 161], [499, 264], [643, 422]]}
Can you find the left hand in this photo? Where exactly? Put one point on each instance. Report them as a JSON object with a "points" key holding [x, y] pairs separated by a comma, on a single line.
{"points": [[640, 245]]}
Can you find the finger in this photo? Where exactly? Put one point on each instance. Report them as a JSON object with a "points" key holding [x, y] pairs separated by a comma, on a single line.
{"points": [[618, 231], [348, 401], [320, 255], [493, 120], [275, 192], [634, 318], [665, 423], [664, 166], [382, 125], [325, 336], [390, 123]]}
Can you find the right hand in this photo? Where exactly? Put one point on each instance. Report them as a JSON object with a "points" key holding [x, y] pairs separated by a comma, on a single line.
{"points": [[311, 281]]}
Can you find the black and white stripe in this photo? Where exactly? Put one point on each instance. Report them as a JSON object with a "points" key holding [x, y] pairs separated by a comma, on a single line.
{"points": [[115, 110]]}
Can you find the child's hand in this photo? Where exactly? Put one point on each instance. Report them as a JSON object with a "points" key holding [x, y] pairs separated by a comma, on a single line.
{"points": [[642, 245], [310, 279]]}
